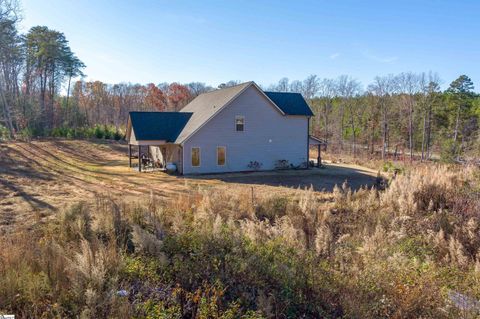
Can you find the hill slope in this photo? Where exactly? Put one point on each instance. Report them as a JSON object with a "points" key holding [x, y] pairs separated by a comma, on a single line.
{"points": [[40, 177]]}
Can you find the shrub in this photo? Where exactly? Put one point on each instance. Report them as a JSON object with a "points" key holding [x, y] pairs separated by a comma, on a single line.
{"points": [[272, 208], [254, 165], [449, 151], [117, 135], [282, 164], [4, 134], [26, 133], [99, 131]]}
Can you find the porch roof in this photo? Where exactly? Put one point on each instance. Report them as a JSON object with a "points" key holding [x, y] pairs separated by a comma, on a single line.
{"points": [[313, 140], [157, 126]]}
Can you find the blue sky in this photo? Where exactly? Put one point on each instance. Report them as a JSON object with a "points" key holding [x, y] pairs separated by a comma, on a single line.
{"points": [[215, 41]]}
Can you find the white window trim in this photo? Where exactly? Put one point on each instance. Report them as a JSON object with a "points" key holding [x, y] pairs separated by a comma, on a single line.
{"points": [[240, 117], [225, 148], [199, 156]]}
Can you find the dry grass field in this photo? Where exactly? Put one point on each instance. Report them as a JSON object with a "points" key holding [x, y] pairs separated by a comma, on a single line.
{"points": [[84, 236], [39, 178]]}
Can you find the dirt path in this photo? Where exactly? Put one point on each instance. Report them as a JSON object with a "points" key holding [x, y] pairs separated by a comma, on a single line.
{"points": [[39, 178]]}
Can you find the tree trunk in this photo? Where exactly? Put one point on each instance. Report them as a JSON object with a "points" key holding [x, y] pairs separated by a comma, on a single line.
{"points": [[455, 133], [457, 123], [43, 89], [51, 98], [7, 115], [429, 129], [342, 125], [372, 139], [410, 130], [352, 124], [385, 131], [67, 110], [424, 135], [325, 117]]}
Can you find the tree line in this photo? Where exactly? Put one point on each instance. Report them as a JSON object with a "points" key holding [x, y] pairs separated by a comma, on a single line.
{"points": [[42, 89], [406, 113]]}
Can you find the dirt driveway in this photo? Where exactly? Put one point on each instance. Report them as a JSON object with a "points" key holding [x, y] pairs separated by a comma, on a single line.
{"points": [[39, 178], [321, 179]]}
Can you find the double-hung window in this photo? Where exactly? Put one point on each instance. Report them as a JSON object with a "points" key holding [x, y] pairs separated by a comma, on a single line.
{"points": [[240, 123]]}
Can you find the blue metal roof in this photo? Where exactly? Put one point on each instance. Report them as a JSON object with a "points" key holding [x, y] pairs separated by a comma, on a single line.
{"points": [[290, 103], [150, 126]]}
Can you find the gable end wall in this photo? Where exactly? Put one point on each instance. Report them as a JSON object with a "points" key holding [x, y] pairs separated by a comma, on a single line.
{"points": [[269, 136]]}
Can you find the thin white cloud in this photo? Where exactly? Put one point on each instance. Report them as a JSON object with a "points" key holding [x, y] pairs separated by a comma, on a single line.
{"points": [[335, 55], [381, 59]]}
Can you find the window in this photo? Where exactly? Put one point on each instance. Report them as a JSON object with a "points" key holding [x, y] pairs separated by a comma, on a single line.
{"points": [[195, 156], [221, 155], [239, 123]]}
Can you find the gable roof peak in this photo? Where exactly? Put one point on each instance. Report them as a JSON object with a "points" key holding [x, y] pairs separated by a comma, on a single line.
{"points": [[228, 88], [206, 105]]}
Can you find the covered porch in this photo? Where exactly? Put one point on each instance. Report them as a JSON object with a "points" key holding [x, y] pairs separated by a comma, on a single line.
{"points": [[151, 138], [154, 156], [318, 144]]}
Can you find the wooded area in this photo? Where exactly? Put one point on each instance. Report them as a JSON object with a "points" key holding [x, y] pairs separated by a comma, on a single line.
{"points": [[42, 93]]}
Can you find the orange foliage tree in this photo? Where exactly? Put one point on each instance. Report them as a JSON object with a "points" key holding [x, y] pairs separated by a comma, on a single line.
{"points": [[178, 96], [155, 97]]}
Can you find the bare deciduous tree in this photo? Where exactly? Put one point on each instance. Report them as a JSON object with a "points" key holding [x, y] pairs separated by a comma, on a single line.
{"points": [[347, 88], [430, 88], [383, 87], [310, 87], [408, 85], [328, 91]]}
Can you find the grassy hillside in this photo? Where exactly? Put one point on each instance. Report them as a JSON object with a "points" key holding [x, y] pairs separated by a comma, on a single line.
{"points": [[40, 178], [409, 251]]}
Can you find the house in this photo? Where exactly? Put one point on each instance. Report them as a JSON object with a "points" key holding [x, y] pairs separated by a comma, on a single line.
{"points": [[239, 128]]}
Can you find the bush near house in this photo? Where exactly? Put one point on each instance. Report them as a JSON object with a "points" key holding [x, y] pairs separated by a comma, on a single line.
{"points": [[254, 165], [97, 131]]}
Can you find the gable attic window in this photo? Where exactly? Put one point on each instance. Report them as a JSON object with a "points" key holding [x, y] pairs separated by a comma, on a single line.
{"points": [[195, 156], [239, 123]]}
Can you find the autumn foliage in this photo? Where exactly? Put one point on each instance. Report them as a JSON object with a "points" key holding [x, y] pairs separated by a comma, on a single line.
{"points": [[178, 96], [155, 98]]}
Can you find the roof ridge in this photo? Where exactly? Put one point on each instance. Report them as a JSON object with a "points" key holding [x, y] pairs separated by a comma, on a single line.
{"points": [[158, 112], [153, 112], [283, 92], [228, 87]]}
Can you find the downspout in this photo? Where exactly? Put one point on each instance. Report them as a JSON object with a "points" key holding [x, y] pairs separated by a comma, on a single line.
{"points": [[308, 142]]}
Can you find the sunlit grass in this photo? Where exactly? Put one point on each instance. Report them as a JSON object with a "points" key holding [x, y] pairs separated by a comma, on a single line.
{"points": [[218, 253]]}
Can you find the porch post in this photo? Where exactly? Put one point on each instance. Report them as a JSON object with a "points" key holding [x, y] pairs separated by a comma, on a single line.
{"points": [[139, 160], [129, 155], [319, 158]]}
